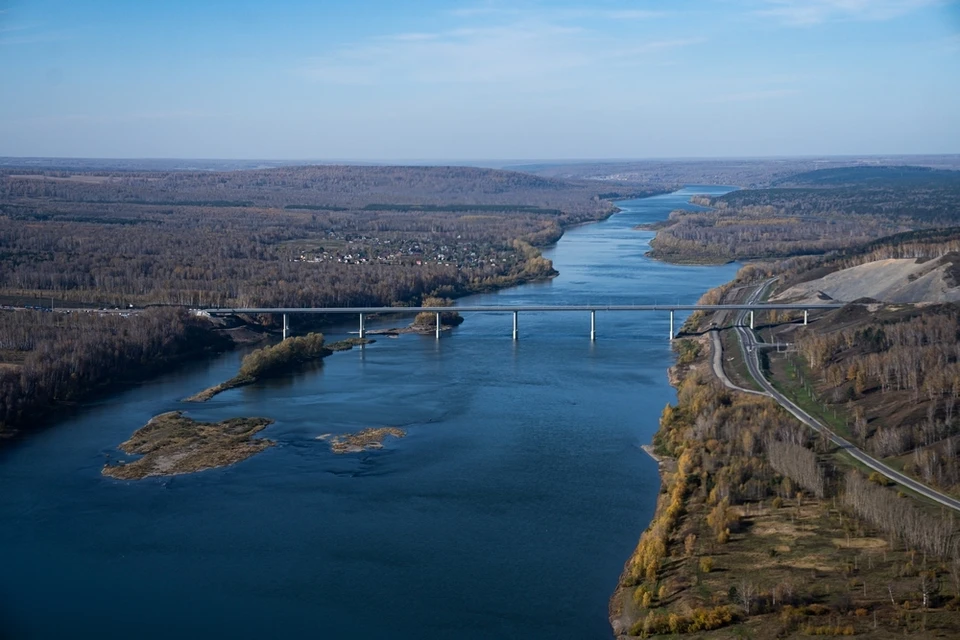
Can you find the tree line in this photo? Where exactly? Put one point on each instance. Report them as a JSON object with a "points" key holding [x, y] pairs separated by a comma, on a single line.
{"points": [[55, 358]]}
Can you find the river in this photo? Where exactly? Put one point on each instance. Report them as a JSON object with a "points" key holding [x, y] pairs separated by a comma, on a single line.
{"points": [[508, 511]]}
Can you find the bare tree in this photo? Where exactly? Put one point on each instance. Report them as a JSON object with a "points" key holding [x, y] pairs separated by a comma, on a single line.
{"points": [[746, 593]]}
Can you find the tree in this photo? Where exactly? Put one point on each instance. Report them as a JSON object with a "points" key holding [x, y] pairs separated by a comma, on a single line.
{"points": [[746, 593]]}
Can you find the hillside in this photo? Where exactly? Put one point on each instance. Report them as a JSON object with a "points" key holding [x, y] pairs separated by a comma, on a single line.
{"points": [[891, 280], [330, 187], [814, 212]]}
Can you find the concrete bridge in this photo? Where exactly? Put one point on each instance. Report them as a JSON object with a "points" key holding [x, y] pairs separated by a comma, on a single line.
{"points": [[363, 312]]}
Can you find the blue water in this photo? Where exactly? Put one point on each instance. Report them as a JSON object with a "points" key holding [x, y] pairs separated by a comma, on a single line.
{"points": [[508, 511]]}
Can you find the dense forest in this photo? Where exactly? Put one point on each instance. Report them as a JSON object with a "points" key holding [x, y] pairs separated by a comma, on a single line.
{"points": [[748, 173], [819, 212], [48, 358], [291, 236], [315, 236], [893, 374]]}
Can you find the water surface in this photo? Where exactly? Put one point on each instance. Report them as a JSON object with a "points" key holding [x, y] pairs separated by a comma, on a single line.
{"points": [[507, 511]]}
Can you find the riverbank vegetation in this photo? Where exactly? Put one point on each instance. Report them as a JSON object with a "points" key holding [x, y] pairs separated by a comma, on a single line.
{"points": [[427, 320], [812, 213], [760, 531], [764, 527], [172, 444], [50, 361], [282, 357]]}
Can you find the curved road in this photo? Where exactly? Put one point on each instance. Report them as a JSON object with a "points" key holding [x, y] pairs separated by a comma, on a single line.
{"points": [[749, 349], [718, 367]]}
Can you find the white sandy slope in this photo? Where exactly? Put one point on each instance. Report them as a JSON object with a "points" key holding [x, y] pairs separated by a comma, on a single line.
{"points": [[894, 280]]}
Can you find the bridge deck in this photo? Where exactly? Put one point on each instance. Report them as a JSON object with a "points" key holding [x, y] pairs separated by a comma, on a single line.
{"points": [[525, 308]]}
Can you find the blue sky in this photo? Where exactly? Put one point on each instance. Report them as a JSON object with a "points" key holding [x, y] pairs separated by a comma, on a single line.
{"points": [[486, 79]]}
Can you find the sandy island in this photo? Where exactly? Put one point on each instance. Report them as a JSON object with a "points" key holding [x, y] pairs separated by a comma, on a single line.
{"points": [[172, 444]]}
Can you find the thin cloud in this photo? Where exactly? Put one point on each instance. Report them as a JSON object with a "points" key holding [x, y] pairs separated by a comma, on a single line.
{"points": [[412, 37], [574, 13], [754, 96], [37, 38], [497, 54], [805, 13], [951, 44], [134, 117], [19, 34], [635, 14]]}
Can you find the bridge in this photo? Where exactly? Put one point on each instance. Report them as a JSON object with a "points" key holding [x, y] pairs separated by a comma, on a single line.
{"points": [[363, 312]]}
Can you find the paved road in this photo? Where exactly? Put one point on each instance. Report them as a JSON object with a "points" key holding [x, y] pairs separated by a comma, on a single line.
{"points": [[718, 366], [749, 349]]}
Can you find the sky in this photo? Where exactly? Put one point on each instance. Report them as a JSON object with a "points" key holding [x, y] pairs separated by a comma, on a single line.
{"points": [[388, 80]]}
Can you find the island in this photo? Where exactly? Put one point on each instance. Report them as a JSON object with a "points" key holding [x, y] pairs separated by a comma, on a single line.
{"points": [[269, 361], [172, 444], [366, 439]]}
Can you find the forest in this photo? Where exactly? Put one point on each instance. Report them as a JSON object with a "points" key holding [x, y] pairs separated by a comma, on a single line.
{"points": [[886, 375], [812, 213], [746, 173], [314, 236], [290, 236], [50, 360], [759, 527]]}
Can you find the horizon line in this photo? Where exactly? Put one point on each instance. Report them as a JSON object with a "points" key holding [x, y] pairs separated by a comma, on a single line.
{"points": [[397, 161]]}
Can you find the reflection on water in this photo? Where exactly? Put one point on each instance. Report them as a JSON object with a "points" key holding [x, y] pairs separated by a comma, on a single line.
{"points": [[508, 509]]}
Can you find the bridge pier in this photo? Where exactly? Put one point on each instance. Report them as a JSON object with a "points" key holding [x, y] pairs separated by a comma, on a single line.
{"points": [[516, 335], [363, 331], [671, 325], [805, 317], [593, 325], [286, 326], [751, 319], [438, 325]]}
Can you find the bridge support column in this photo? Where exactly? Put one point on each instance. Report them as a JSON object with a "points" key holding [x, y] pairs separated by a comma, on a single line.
{"points": [[286, 326], [671, 325], [593, 324], [363, 331], [516, 335], [438, 325], [751, 318], [805, 317]]}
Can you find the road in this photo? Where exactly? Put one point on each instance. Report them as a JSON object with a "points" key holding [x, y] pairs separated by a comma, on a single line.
{"points": [[749, 349], [718, 367]]}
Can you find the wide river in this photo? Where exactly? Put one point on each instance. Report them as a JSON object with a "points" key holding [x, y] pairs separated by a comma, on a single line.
{"points": [[508, 511]]}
